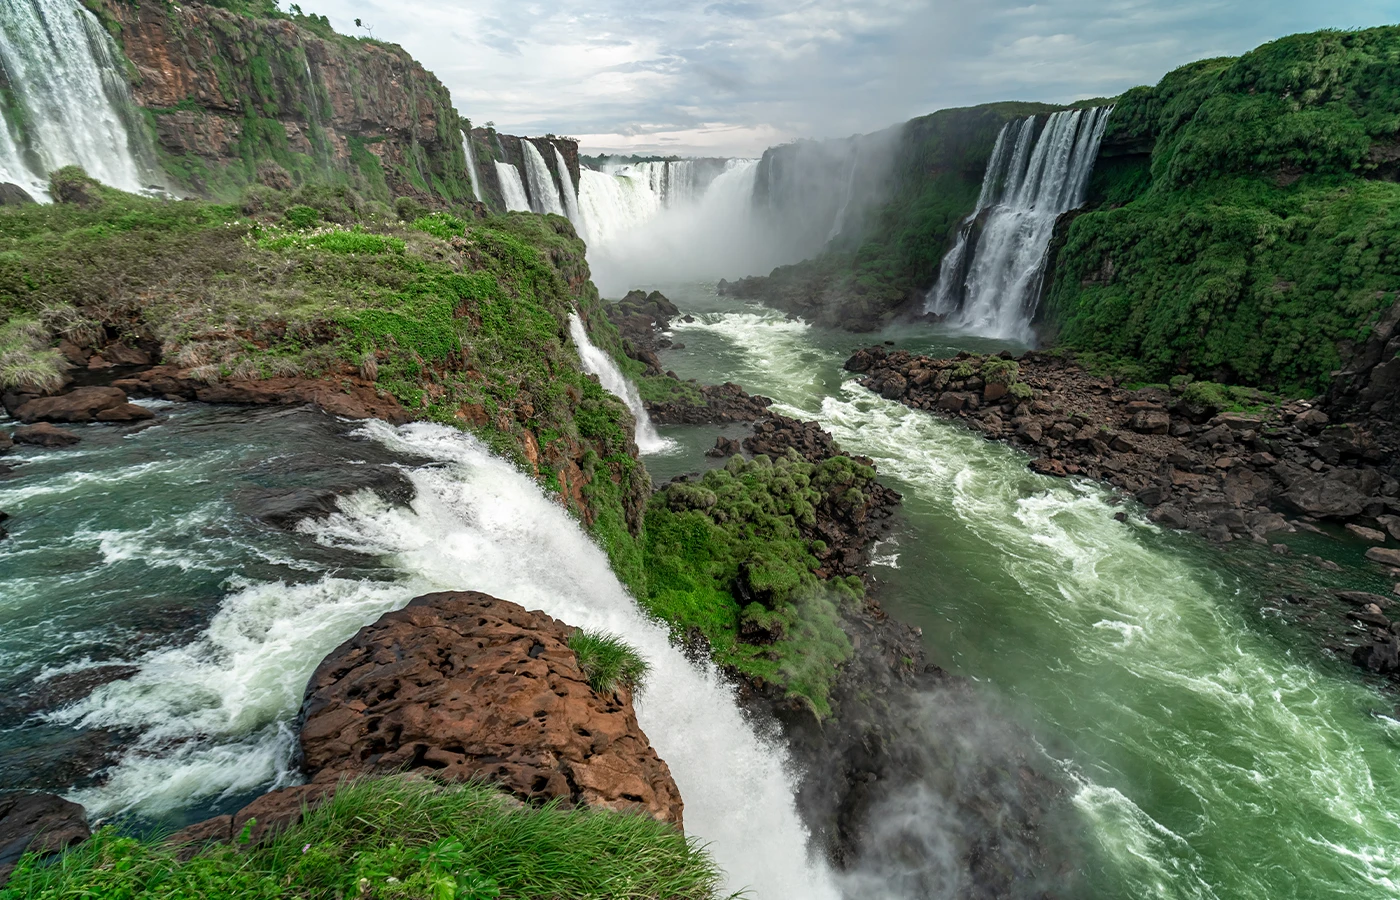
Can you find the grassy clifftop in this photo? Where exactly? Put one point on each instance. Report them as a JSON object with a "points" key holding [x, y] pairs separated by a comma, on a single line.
{"points": [[461, 320], [1250, 220]]}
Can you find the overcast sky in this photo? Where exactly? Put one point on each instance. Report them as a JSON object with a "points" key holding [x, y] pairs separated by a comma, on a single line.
{"points": [[731, 77]]}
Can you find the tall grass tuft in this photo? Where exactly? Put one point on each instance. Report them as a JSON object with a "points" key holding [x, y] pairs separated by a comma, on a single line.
{"points": [[608, 662], [393, 839]]}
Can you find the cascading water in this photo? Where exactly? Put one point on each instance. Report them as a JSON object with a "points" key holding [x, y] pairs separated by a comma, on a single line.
{"points": [[570, 196], [544, 196], [597, 362], [990, 289], [512, 188], [613, 204], [471, 166], [216, 713], [74, 105], [839, 222]]}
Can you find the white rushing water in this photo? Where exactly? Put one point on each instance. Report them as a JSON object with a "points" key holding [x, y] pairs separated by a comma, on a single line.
{"points": [[570, 196], [223, 705], [512, 188], [544, 195], [636, 238], [597, 362], [1024, 191], [471, 165], [72, 96]]}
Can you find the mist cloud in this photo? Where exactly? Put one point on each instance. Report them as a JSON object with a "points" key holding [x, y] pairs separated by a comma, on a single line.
{"points": [[727, 77]]}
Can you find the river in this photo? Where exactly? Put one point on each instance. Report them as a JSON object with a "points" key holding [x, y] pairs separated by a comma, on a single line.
{"points": [[1210, 753]]}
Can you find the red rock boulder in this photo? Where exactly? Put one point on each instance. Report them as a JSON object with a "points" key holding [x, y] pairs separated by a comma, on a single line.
{"points": [[462, 686]]}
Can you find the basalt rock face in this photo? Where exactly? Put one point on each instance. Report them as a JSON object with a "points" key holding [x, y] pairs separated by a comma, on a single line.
{"points": [[462, 686], [640, 318], [1367, 389], [237, 98], [351, 396], [1226, 476]]}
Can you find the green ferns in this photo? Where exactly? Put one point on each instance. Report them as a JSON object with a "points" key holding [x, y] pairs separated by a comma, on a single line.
{"points": [[396, 839], [1267, 236], [608, 662], [731, 555]]}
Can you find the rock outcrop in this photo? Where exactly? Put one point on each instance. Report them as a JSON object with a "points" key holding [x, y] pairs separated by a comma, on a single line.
{"points": [[37, 822], [461, 686], [468, 687], [280, 99]]}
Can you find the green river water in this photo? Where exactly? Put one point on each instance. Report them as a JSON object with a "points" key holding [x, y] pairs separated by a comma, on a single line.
{"points": [[1209, 754]]}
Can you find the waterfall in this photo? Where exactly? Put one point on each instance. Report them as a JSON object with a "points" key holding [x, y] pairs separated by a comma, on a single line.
{"points": [[471, 165], [512, 190], [597, 362], [74, 104], [544, 196], [570, 197], [613, 204], [991, 288], [839, 222]]}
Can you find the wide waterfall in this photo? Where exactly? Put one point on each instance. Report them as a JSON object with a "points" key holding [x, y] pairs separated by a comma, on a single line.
{"points": [[74, 106], [597, 362], [570, 196], [544, 195], [989, 283], [613, 204], [512, 188], [471, 166]]}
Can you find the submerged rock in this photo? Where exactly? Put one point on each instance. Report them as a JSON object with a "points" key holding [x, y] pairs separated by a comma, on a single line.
{"points": [[45, 435]]}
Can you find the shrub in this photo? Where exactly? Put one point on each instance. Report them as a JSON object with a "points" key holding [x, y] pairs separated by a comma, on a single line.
{"points": [[302, 217], [608, 662], [1020, 390], [1000, 371]]}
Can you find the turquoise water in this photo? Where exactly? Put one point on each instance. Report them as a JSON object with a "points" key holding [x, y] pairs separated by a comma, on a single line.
{"points": [[1211, 754]]}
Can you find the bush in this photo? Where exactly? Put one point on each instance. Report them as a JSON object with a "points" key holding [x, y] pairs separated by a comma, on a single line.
{"points": [[302, 217], [396, 838], [996, 370], [608, 662]]}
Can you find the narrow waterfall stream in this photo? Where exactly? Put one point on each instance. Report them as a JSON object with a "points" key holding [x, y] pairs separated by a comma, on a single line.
{"points": [[571, 208], [1209, 753], [61, 70], [989, 281], [597, 362], [471, 166], [512, 188], [544, 194]]}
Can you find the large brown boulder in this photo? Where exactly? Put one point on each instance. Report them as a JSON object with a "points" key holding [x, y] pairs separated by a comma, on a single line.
{"points": [[85, 404], [39, 822], [45, 435], [462, 686], [1340, 494]]}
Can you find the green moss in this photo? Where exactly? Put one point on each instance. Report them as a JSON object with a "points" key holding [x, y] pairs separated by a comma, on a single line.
{"points": [[396, 838], [1262, 242], [744, 531]]}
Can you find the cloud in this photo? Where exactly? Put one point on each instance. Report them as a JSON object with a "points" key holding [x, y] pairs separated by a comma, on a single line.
{"points": [[689, 75]]}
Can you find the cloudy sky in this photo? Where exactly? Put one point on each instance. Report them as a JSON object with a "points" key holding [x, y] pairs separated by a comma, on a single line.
{"points": [[731, 77]]}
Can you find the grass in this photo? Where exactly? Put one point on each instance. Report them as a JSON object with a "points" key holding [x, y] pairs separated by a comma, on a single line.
{"points": [[608, 662], [747, 531], [396, 839]]}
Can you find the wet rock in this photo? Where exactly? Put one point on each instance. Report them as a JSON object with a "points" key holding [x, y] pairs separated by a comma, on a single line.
{"points": [[14, 195], [42, 823], [1390, 523], [79, 405], [350, 396], [6, 443], [462, 686], [721, 404], [725, 447], [1384, 556], [45, 435], [894, 387], [1341, 494], [1381, 657], [1366, 534], [1150, 421]]}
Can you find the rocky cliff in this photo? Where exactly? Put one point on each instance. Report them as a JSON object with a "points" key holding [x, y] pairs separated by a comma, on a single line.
{"points": [[237, 97]]}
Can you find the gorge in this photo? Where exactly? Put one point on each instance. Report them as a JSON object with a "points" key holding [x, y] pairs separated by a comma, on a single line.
{"points": [[925, 620]]}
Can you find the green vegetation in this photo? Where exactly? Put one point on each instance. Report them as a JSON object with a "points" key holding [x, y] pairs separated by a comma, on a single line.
{"points": [[734, 555], [464, 322], [1262, 233], [608, 662], [396, 839]]}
